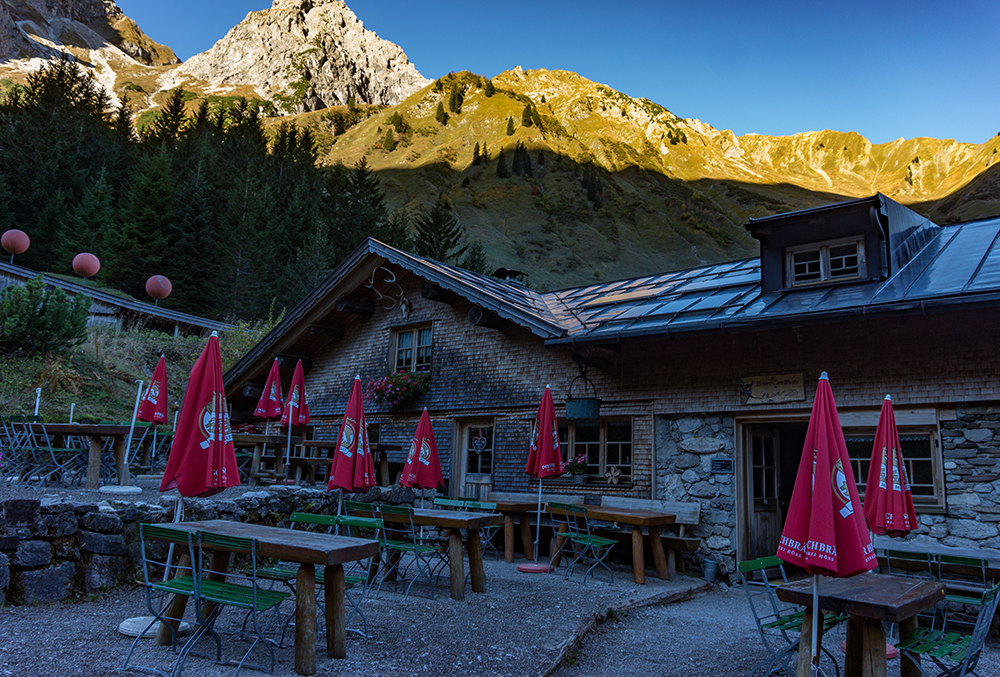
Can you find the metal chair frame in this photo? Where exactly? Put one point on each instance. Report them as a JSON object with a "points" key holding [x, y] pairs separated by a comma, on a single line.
{"points": [[424, 555], [584, 544]]}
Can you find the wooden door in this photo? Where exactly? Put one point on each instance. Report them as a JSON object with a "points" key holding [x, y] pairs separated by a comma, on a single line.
{"points": [[763, 462], [473, 461]]}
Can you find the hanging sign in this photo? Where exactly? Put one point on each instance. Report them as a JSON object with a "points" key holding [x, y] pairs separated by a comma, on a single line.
{"points": [[772, 389]]}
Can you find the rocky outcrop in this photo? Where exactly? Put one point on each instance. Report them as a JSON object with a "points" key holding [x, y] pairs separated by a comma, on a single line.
{"points": [[307, 55], [26, 25]]}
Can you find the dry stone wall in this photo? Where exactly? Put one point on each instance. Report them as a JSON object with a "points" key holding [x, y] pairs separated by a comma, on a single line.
{"points": [[52, 550]]}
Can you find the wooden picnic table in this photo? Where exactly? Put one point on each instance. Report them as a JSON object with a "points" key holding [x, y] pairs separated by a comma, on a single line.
{"points": [[309, 550], [453, 522], [97, 433], [319, 454], [258, 443], [868, 599], [520, 510], [637, 518], [883, 543]]}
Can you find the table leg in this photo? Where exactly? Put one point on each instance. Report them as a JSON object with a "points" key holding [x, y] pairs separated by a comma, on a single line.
{"points": [[659, 558], [475, 547], [873, 649], [556, 556], [305, 620], [508, 538], [174, 612], [638, 557], [384, 466], [124, 479], [218, 566], [804, 667], [526, 542], [258, 451], [336, 612], [457, 564], [94, 464], [909, 666], [852, 661]]}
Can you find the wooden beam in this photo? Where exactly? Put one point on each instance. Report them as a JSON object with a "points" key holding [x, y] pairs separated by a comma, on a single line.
{"points": [[481, 317], [356, 307], [288, 362], [251, 391], [328, 332], [433, 292]]}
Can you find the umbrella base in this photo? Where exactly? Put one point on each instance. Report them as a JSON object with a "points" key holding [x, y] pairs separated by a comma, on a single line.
{"points": [[890, 651], [535, 568], [115, 489]]}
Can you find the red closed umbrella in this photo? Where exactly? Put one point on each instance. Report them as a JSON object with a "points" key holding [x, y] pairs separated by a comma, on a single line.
{"points": [[825, 532], [269, 405], [153, 408], [202, 458], [353, 468], [296, 411], [888, 502], [544, 460], [423, 466]]}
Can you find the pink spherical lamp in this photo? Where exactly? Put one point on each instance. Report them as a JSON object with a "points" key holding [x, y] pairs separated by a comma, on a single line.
{"points": [[158, 287], [15, 242], [86, 265]]}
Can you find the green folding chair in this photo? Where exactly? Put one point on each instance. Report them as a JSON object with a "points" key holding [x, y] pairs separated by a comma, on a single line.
{"points": [[159, 592], [777, 622], [412, 549], [953, 655], [487, 535], [968, 590], [585, 546]]}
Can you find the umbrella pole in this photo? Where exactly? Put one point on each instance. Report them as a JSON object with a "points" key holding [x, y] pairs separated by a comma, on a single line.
{"points": [[815, 625], [288, 449], [131, 428], [538, 519], [178, 514]]}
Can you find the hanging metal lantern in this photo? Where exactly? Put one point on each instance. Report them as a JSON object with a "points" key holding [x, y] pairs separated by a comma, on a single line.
{"points": [[583, 409]]}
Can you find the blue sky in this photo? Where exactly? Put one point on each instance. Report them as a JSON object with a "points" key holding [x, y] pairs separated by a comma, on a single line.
{"points": [[883, 69]]}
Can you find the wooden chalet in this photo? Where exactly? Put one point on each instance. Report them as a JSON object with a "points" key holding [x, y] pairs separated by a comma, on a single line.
{"points": [[705, 376]]}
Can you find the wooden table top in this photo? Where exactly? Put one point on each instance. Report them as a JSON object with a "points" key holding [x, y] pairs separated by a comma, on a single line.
{"points": [[291, 545], [106, 429], [633, 516], [878, 596], [514, 506], [449, 519], [251, 438]]}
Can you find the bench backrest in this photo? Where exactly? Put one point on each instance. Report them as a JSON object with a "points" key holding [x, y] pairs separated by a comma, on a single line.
{"points": [[687, 512]]}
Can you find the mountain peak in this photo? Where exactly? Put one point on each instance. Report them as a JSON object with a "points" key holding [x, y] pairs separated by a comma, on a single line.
{"points": [[307, 55]]}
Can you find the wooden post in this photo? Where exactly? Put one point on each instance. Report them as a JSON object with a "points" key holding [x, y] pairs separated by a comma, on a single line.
{"points": [[508, 538], [659, 559], [556, 555], [638, 557], [526, 542], [804, 669], [457, 564], [476, 562], [908, 667], [174, 612], [305, 620], [852, 661], [94, 464], [336, 618], [873, 648], [124, 479]]}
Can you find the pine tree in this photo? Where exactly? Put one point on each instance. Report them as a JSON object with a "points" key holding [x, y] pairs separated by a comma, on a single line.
{"points": [[543, 98], [475, 154], [517, 165], [502, 172], [441, 116], [475, 259], [168, 126], [536, 119], [541, 158], [526, 115], [438, 235], [510, 126], [455, 99], [488, 89], [486, 154], [90, 219], [389, 142], [136, 247]]}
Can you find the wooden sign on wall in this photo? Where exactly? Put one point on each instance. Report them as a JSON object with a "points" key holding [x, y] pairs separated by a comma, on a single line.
{"points": [[771, 389]]}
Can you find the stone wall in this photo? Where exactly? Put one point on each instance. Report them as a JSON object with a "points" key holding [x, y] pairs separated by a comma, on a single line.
{"points": [[685, 447], [53, 550]]}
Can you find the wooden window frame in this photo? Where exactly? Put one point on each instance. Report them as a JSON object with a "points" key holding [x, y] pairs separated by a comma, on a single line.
{"points": [[825, 274], [597, 476], [921, 503], [421, 354]]}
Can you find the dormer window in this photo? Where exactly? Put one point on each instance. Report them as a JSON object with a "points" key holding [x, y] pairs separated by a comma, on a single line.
{"points": [[834, 261]]}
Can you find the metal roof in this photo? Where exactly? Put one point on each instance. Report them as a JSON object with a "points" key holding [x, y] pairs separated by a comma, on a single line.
{"points": [[109, 299]]}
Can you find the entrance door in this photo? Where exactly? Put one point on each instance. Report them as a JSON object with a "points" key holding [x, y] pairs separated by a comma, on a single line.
{"points": [[771, 462], [763, 478], [474, 459]]}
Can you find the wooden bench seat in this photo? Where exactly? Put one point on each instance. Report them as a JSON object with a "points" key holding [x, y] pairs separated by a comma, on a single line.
{"points": [[688, 513]]}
